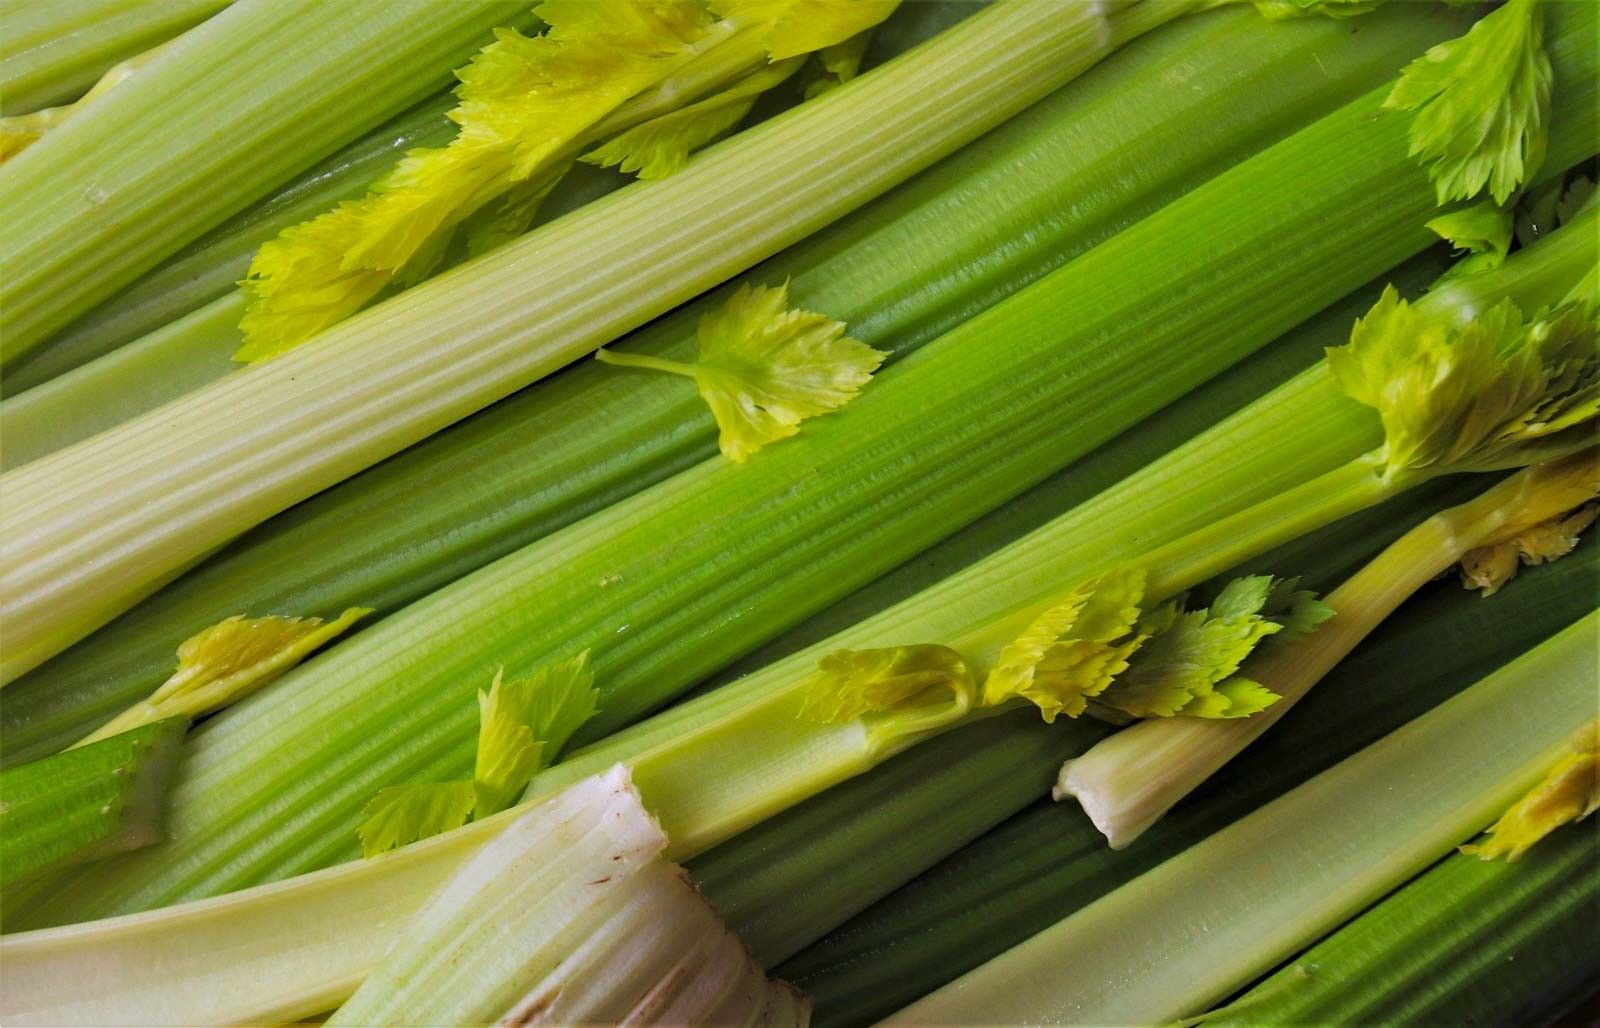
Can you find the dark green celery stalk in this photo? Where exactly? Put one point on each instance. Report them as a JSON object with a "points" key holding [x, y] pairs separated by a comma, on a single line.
{"points": [[89, 802], [243, 102], [1468, 942], [211, 265], [1049, 860], [1002, 212], [848, 847], [51, 53], [680, 579]]}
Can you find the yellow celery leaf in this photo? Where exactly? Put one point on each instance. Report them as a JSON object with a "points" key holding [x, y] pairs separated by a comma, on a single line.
{"points": [[661, 146], [524, 101], [1186, 666], [1502, 392], [508, 754], [1072, 651], [838, 64], [229, 661], [403, 814], [795, 27], [763, 368], [850, 683], [1483, 231], [1482, 103], [1570, 792], [1281, 10], [512, 214], [21, 131], [1491, 566]]}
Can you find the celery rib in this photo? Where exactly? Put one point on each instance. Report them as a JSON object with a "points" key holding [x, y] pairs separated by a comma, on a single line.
{"points": [[1195, 928], [1048, 861], [209, 267], [899, 272], [239, 104], [1468, 941], [52, 53], [1221, 270]]}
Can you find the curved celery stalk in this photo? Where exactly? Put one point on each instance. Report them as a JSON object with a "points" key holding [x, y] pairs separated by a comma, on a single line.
{"points": [[1469, 940], [603, 271], [239, 104], [87, 803], [1206, 922], [209, 267], [51, 52], [904, 269]]}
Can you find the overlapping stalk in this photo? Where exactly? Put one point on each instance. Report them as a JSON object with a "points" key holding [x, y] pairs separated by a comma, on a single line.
{"points": [[1206, 922], [1049, 861], [1468, 940], [51, 53], [602, 272], [389, 703], [241, 103], [901, 271]]}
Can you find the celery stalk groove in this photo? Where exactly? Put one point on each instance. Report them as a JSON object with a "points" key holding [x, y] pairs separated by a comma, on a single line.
{"points": [[1255, 892], [1049, 860], [241, 103], [604, 271], [1058, 178], [1223, 269]]}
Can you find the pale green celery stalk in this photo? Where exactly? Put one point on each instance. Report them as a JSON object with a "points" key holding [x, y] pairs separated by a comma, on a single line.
{"points": [[87, 803], [210, 267], [1126, 783], [1048, 861], [191, 351], [571, 916], [237, 449], [676, 581], [1189, 932], [1469, 941], [239, 104], [996, 215], [51, 53]]}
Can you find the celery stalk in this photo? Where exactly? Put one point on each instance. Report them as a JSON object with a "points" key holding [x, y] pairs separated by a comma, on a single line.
{"points": [[238, 105], [294, 948], [1469, 940], [606, 270], [87, 803], [1128, 782], [1049, 861], [393, 710], [209, 267], [1194, 929], [51, 53], [900, 272]]}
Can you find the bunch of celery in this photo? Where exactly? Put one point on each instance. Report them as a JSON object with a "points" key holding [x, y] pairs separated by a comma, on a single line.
{"points": [[955, 463]]}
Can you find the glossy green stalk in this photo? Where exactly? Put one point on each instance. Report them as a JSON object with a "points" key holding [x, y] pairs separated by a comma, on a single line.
{"points": [[1468, 941], [51, 53], [1050, 860], [209, 267], [87, 803], [998, 214], [400, 371], [1187, 933], [674, 582], [239, 104], [1126, 783]]}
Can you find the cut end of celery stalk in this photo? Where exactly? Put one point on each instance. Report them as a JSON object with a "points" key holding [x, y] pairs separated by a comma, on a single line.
{"points": [[87, 803]]}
